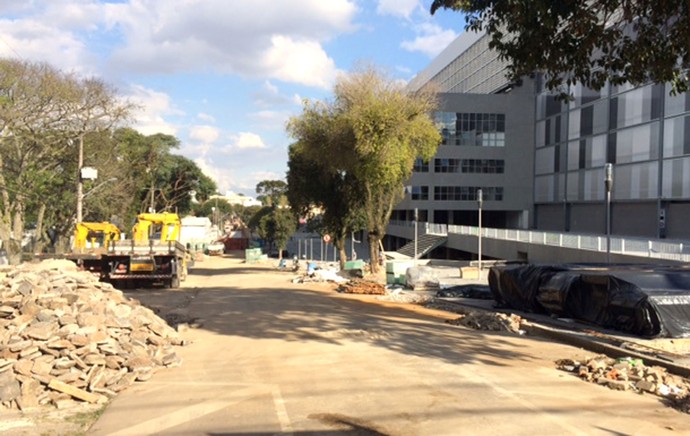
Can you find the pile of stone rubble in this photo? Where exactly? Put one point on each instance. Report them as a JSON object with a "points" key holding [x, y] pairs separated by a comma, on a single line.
{"points": [[496, 322], [64, 336], [479, 319], [629, 374], [360, 286]]}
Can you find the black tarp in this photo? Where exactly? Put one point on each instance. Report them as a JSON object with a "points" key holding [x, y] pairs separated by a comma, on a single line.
{"points": [[645, 300]]}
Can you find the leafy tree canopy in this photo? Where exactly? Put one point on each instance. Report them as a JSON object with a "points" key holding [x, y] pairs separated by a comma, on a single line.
{"points": [[590, 42], [271, 192], [363, 146]]}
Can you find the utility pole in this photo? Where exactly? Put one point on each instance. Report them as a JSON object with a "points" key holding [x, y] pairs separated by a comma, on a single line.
{"points": [[416, 218], [480, 201], [608, 182], [80, 185]]}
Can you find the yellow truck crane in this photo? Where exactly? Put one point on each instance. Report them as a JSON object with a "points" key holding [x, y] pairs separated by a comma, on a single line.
{"points": [[153, 255], [91, 243]]}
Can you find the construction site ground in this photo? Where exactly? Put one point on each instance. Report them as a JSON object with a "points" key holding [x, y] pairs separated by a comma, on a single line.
{"points": [[269, 356]]}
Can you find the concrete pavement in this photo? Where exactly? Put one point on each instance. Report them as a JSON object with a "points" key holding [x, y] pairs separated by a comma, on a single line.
{"points": [[272, 357]]}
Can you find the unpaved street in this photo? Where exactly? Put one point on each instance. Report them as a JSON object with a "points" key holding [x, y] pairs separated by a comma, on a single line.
{"points": [[272, 357]]}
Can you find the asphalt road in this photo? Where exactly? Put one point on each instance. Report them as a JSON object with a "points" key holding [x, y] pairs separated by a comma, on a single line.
{"points": [[272, 357]]}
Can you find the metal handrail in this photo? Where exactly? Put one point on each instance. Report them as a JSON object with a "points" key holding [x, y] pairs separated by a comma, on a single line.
{"points": [[652, 248]]}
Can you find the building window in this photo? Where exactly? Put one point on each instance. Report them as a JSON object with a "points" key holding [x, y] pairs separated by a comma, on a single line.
{"points": [[467, 193], [472, 129], [420, 166], [483, 166], [446, 165], [677, 136], [420, 192], [469, 166]]}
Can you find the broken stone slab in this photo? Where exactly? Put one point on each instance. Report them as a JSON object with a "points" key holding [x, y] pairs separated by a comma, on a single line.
{"points": [[76, 392], [42, 330], [9, 387]]}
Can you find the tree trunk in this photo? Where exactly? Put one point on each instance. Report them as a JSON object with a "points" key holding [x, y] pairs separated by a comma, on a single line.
{"points": [[40, 239], [374, 252], [342, 254]]}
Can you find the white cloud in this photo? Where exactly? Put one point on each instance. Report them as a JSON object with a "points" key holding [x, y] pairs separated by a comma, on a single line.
{"points": [[274, 120], [398, 8], [206, 117], [153, 107], [431, 39], [269, 96], [221, 176], [263, 38], [36, 40], [204, 134], [259, 176], [303, 62], [247, 140]]}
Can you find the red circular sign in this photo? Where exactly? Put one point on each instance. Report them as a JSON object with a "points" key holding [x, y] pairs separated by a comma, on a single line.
{"points": [[326, 238]]}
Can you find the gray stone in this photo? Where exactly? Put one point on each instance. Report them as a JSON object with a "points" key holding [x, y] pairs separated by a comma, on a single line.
{"points": [[40, 330], [9, 387]]}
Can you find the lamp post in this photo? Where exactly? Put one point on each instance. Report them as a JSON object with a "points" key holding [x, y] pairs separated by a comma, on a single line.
{"points": [[608, 183], [80, 185], [416, 218], [480, 201]]}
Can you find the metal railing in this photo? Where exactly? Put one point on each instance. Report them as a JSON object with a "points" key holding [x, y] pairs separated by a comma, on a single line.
{"points": [[640, 247]]}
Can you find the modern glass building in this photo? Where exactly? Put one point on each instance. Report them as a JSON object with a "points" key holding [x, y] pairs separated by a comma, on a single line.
{"points": [[540, 161]]}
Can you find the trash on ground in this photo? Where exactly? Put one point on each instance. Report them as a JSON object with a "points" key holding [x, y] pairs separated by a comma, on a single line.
{"points": [[631, 374], [482, 292], [360, 286], [491, 321]]}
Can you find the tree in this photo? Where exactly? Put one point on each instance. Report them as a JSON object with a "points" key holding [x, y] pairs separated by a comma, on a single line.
{"points": [[271, 192], [277, 227], [42, 112], [311, 183], [590, 42], [371, 134]]}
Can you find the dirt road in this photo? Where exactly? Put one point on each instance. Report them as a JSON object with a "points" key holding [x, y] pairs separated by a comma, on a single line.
{"points": [[272, 357]]}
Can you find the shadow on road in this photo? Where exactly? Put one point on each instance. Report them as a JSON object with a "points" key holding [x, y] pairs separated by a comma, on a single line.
{"points": [[275, 308]]}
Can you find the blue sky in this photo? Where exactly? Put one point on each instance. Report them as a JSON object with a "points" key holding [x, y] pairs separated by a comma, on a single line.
{"points": [[224, 76]]}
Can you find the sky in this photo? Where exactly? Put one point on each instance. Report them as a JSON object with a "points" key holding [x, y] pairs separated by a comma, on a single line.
{"points": [[224, 76]]}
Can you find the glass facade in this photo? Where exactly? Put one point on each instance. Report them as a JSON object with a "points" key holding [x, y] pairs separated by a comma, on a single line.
{"points": [[472, 129], [469, 166], [420, 192], [643, 131], [420, 166], [467, 193]]}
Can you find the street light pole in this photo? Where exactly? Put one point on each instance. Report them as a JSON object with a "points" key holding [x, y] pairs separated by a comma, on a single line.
{"points": [[608, 182], [416, 218], [480, 201], [80, 185]]}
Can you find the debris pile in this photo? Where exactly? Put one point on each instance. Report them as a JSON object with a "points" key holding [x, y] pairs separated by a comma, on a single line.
{"points": [[491, 321], [359, 286], [631, 374], [64, 335], [398, 295]]}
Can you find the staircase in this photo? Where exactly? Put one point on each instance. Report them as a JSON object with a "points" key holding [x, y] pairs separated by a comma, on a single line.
{"points": [[425, 243]]}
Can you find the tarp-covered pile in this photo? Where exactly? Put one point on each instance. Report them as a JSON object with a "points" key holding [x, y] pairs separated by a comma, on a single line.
{"points": [[645, 300]]}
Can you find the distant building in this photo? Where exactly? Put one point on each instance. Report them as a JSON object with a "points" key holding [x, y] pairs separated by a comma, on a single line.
{"points": [[240, 199]]}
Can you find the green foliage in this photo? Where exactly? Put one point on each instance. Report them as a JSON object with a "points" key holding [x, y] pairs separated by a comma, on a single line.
{"points": [[277, 227], [589, 42], [45, 115], [354, 154], [271, 192], [247, 214], [254, 222]]}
